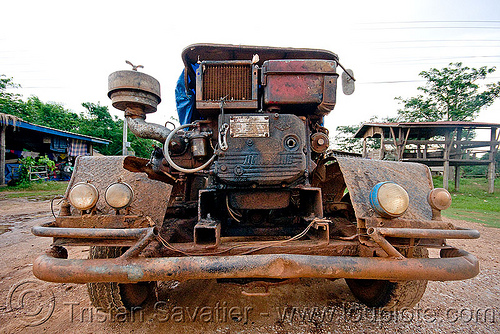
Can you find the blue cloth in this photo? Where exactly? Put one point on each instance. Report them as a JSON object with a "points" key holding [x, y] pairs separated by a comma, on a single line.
{"points": [[58, 144], [185, 98], [11, 172], [185, 101]]}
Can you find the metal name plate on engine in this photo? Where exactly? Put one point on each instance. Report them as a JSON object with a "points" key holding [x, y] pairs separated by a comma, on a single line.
{"points": [[249, 126]]}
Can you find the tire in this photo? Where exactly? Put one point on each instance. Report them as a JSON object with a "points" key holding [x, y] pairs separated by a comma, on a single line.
{"points": [[116, 297], [390, 295]]}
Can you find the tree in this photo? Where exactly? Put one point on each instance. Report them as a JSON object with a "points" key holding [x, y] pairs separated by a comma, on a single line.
{"points": [[98, 122], [345, 141], [10, 103], [450, 94], [50, 114]]}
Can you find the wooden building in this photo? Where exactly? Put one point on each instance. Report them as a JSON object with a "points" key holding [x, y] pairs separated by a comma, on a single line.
{"points": [[446, 144], [18, 137]]}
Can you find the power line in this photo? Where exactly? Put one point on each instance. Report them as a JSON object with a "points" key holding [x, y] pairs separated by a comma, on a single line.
{"points": [[439, 58], [433, 41], [398, 81], [413, 22], [435, 47], [428, 27], [388, 82]]}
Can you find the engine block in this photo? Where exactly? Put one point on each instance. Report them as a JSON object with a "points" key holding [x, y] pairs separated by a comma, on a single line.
{"points": [[261, 149]]}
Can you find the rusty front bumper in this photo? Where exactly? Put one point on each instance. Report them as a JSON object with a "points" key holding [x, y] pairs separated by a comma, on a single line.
{"points": [[454, 264]]}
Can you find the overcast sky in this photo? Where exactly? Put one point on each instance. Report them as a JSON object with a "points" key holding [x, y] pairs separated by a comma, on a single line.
{"points": [[63, 51]]}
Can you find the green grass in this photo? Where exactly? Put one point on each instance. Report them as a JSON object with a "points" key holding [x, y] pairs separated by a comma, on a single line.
{"points": [[35, 190], [472, 202]]}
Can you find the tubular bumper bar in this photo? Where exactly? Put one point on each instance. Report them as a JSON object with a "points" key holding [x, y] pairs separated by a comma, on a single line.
{"points": [[454, 264]]}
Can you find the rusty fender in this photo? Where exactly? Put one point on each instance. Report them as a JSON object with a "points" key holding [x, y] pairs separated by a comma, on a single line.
{"points": [[454, 264]]}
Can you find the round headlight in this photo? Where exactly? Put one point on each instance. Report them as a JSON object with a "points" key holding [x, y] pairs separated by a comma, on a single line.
{"points": [[389, 199], [119, 195], [83, 196], [439, 199]]}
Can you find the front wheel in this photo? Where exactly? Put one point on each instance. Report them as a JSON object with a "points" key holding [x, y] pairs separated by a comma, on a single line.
{"points": [[390, 295], [116, 297]]}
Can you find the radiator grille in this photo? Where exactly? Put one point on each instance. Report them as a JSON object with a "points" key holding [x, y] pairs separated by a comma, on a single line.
{"points": [[230, 81]]}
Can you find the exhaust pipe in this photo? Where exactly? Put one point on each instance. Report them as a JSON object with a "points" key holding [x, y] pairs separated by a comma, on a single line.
{"points": [[139, 127], [137, 94]]}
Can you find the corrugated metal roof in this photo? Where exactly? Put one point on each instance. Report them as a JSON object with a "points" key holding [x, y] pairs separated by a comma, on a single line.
{"points": [[439, 124]]}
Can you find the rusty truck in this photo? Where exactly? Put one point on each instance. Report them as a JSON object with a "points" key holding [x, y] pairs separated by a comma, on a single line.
{"points": [[246, 190]]}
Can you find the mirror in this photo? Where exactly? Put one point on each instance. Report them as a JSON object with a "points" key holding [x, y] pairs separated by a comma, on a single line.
{"points": [[348, 82]]}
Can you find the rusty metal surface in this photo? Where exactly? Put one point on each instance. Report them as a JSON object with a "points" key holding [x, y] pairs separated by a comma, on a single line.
{"points": [[272, 160], [226, 80], [426, 233], [136, 165], [234, 82], [98, 221], [133, 89], [235, 246], [195, 52], [405, 223], [47, 230], [462, 266], [259, 200], [146, 238], [139, 127], [300, 81], [362, 174], [150, 198]]}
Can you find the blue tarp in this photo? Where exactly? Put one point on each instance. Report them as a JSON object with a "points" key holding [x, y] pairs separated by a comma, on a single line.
{"points": [[185, 100], [11, 172]]}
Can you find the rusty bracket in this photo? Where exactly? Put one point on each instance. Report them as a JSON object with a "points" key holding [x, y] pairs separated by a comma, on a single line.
{"points": [[135, 250], [143, 235], [384, 244], [321, 228], [49, 230], [207, 233], [427, 233], [378, 235]]}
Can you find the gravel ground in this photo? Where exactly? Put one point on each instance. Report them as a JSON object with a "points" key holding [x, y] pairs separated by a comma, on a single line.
{"points": [[317, 306]]}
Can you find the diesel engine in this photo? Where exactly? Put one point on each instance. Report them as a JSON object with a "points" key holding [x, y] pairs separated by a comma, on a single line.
{"points": [[246, 190]]}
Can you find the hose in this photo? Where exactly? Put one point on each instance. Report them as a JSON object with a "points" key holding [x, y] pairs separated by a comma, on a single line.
{"points": [[166, 153]]}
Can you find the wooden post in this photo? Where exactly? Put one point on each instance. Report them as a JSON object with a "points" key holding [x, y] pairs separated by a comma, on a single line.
{"points": [[3, 129], [458, 156], [446, 157], [395, 143], [491, 165], [446, 173], [382, 150], [365, 153]]}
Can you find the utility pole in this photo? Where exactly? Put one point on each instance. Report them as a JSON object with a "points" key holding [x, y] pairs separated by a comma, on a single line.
{"points": [[125, 143], [3, 129]]}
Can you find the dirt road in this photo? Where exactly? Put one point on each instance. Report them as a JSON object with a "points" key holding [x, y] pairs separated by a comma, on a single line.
{"points": [[309, 306]]}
